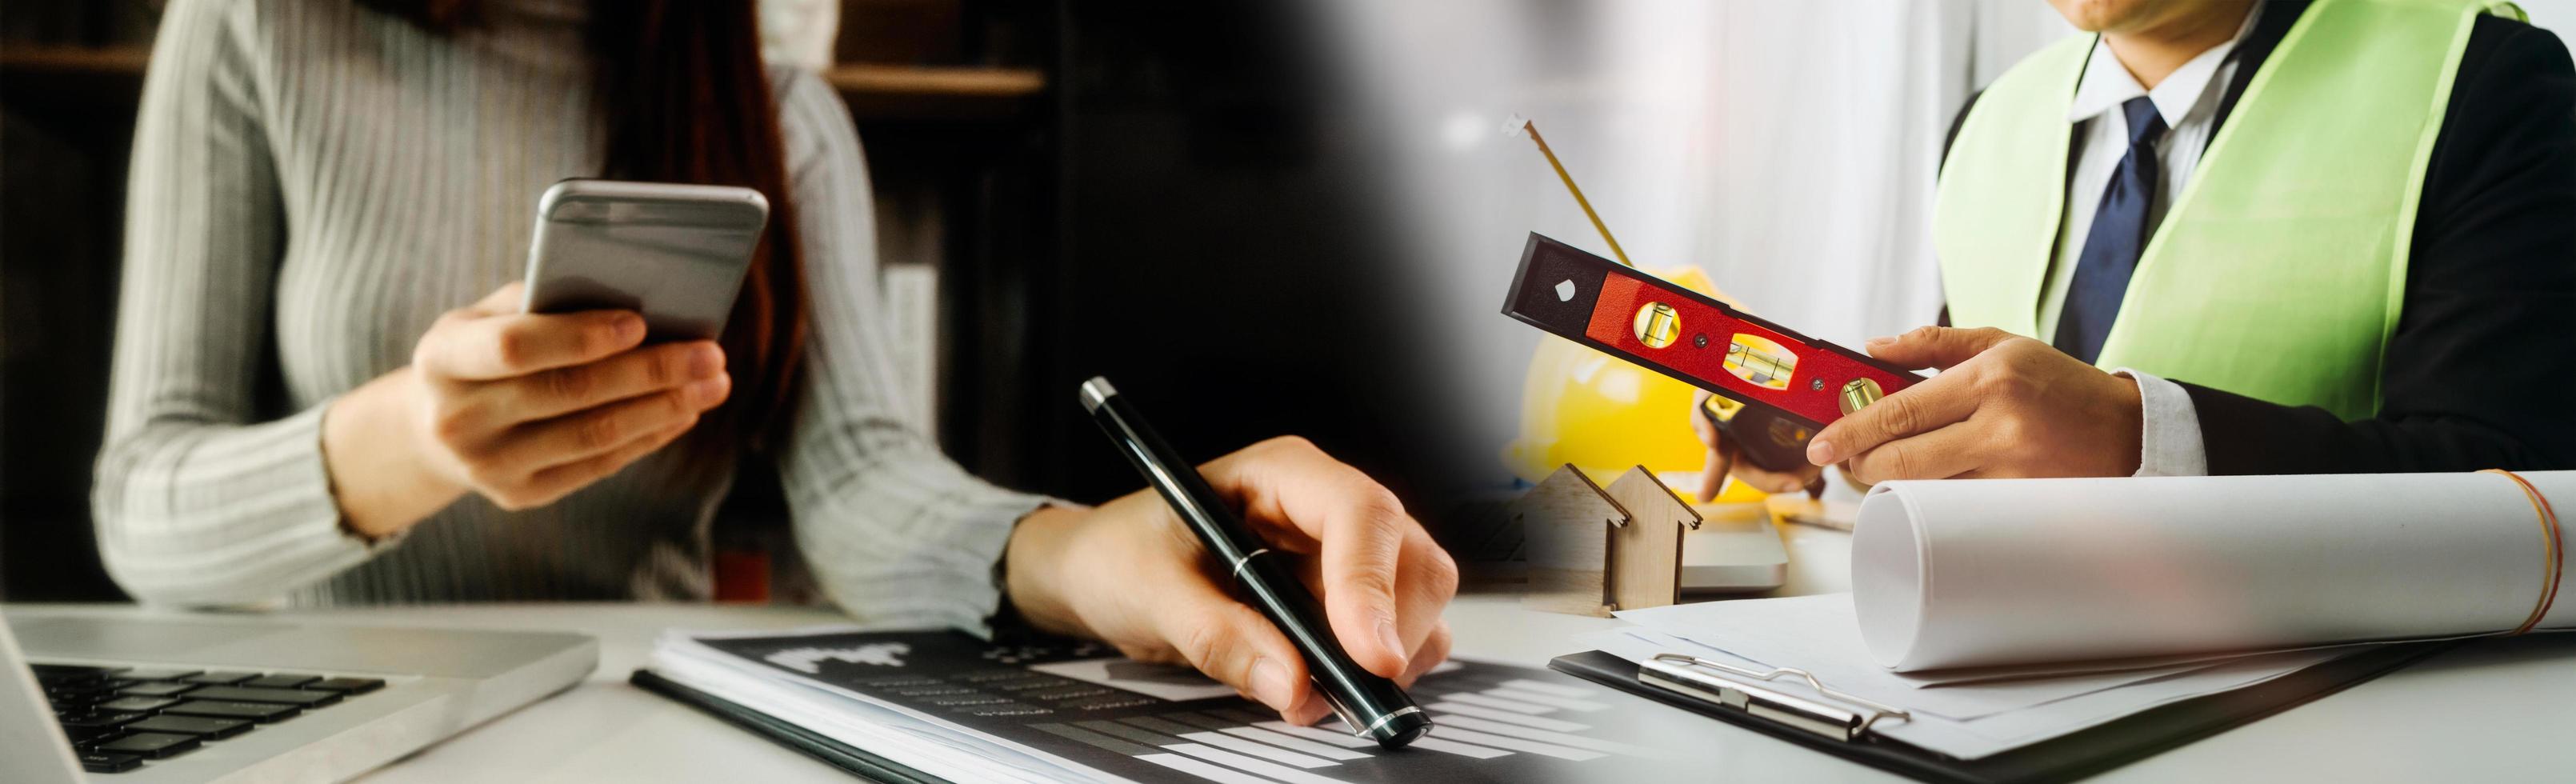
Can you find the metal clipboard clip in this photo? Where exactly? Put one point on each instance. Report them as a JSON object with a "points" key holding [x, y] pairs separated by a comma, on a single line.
{"points": [[1692, 676]]}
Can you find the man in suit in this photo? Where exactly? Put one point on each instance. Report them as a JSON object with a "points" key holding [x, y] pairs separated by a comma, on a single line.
{"points": [[2227, 237]]}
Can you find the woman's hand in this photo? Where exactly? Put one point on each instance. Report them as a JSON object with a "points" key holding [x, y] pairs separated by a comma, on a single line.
{"points": [[1130, 573], [1725, 460], [520, 408], [2004, 406]]}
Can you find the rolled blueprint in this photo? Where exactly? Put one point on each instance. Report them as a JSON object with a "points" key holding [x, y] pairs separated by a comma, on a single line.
{"points": [[1974, 573]]}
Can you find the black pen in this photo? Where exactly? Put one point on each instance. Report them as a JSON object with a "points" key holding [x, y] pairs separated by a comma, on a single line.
{"points": [[1373, 706]]}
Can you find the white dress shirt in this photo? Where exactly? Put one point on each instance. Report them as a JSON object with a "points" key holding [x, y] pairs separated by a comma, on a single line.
{"points": [[2188, 100]]}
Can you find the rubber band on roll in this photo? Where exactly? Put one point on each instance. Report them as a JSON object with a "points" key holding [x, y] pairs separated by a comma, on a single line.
{"points": [[2551, 545]]}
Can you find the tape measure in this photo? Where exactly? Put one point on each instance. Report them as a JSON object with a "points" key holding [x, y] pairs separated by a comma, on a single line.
{"points": [[1771, 387]]}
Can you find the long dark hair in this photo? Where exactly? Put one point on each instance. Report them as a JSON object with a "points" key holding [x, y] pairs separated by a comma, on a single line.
{"points": [[684, 98]]}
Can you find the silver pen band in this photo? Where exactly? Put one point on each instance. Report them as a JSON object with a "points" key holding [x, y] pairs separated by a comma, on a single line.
{"points": [[1382, 720], [1247, 558]]}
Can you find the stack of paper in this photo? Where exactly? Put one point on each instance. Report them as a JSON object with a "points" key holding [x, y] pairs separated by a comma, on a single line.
{"points": [[967, 710], [887, 729]]}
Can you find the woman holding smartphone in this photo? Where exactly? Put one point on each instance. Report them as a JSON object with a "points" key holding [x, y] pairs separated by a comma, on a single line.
{"points": [[324, 391]]}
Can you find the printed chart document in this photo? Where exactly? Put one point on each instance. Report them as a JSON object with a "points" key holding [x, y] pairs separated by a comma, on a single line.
{"points": [[962, 709]]}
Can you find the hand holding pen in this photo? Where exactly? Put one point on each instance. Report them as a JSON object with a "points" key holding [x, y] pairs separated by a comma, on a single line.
{"points": [[1133, 574]]}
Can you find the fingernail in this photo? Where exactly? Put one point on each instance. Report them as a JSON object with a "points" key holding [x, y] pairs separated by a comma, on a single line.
{"points": [[630, 327], [1270, 682], [1820, 452], [709, 390], [1386, 636], [1880, 341], [705, 360]]}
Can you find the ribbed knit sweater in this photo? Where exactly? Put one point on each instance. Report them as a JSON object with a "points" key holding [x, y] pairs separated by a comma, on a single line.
{"points": [[313, 183]]}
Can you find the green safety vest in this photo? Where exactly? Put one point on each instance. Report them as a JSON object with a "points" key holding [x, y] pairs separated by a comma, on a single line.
{"points": [[2279, 270]]}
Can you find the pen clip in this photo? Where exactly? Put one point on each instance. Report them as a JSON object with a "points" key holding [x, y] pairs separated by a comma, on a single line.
{"points": [[1689, 675], [1237, 571]]}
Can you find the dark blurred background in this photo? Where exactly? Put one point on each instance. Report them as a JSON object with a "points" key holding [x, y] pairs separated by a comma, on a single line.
{"points": [[1161, 192]]}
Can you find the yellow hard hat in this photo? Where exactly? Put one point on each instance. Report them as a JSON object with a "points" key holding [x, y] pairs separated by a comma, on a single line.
{"points": [[1604, 415]]}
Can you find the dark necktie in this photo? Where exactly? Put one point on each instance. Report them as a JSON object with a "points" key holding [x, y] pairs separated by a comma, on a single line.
{"points": [[2121, 226]]}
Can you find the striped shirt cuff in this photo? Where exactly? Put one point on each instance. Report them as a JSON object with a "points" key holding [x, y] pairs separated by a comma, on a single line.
{"points": [[929, 565], [983, 538], [244, 515]]}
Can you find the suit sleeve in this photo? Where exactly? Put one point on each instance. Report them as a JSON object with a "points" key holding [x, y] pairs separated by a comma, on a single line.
{"points": [[2482, 364]]}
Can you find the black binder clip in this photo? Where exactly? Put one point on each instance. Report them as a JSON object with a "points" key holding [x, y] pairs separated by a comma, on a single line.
{"points": [[1707, 681]]}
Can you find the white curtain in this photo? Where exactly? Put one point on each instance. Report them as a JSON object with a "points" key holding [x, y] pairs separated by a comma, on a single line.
{"points": [[2554, 15], [1787, 148], [799, 32]]}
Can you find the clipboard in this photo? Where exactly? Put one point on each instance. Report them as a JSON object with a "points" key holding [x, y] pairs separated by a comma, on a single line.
{"points": [[1844, 726]]}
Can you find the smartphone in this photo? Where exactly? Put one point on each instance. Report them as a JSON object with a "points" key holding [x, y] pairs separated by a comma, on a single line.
{"points": [[675, 253]]}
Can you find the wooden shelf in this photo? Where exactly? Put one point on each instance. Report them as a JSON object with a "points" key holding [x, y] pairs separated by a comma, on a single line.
{"points": [[936, 93], [83, 78], [24, 59], [113, 77]]}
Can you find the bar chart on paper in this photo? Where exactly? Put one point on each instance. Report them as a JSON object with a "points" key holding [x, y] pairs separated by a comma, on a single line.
{"points": [[1082, 704], [1471, 726]]}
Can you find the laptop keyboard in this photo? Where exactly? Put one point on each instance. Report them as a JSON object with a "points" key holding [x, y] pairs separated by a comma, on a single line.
{"points": [[118, 717]]}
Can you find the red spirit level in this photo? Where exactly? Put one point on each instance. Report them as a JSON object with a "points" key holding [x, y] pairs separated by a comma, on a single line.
{"points": [[1773, 387]]}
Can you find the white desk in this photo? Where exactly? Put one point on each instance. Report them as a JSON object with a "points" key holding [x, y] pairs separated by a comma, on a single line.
{"points": [[2501, 710]]}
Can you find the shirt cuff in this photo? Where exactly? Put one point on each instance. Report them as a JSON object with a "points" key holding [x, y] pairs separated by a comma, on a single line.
{"points": [[985, 543], [936, 570], [2169, 443], [243, 520]]}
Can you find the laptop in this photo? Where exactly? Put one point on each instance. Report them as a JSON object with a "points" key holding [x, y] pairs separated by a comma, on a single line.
{"points": [[127, 698]]}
